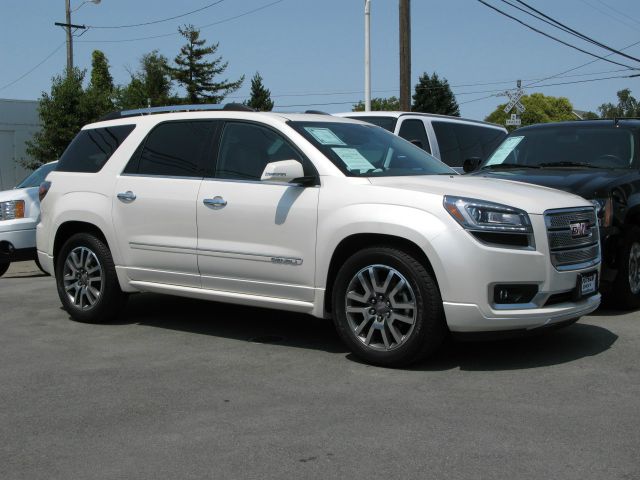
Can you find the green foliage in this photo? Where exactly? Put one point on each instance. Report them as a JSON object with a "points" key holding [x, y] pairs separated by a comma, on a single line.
{"points": [[150, 86], [627, 106], [539, 109], [100, 93], [590, 116], [62, 112], [196, 74], [434, 95], [260, 96], [391, 104]]}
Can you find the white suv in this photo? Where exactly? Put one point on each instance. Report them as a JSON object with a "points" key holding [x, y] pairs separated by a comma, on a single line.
{"points": [[314, 214]]}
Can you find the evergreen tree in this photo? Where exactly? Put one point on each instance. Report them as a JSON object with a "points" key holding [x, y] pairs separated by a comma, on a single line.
{"points": [[196, 74], [627, 106], [100, 93], [380, 104], [63, 112], [151, 85], [260, 96], [434, 95]]}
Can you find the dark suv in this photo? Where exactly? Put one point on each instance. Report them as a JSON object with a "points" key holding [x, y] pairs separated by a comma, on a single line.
{"points": [[598, 160]]}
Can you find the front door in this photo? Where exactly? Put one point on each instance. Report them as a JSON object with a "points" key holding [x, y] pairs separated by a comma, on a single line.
{"points": [[256, 237]]}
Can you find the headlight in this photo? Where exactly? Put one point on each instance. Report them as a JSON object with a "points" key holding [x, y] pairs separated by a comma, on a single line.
{"points": [[604, 211], [487, 216], [12, 210]]}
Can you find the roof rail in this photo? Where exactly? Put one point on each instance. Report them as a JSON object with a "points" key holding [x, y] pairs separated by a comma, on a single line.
{"points": [[237, 107], [317, 112], [616, 120]]}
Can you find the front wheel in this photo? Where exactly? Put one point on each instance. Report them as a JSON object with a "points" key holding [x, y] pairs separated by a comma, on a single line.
{"points": [[387, 307], [86, 280], [626, 291], [4, 266]]}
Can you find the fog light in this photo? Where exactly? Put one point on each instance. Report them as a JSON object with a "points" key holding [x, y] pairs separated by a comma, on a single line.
{"points": [[514, 293]]}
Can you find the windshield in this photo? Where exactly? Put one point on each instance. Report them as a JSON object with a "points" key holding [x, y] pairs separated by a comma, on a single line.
{"points": [[37, 177], [566, 146], [369, 151]]}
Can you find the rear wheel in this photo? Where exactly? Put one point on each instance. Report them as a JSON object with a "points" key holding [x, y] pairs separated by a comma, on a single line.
{"points": [[86, 280], [4, 266], [387, 307], [626, 291]]}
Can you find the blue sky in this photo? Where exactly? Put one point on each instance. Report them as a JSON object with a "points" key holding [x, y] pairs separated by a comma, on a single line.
{"points": [[311, 52]]}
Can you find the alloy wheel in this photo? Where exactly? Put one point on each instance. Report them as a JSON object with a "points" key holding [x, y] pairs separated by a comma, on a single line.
{"points": [[83, 278]]}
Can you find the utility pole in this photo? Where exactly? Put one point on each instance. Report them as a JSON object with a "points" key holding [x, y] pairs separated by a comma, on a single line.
{"points": [[367, 55], [68, 26], [405, 55]]}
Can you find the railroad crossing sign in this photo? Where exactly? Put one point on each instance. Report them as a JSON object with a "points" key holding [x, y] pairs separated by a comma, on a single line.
{"points": [[514, 120], [514, 100]]}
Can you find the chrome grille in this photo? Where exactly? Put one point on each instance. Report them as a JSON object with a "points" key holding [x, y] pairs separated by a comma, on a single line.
{"points": [[568, 251]]}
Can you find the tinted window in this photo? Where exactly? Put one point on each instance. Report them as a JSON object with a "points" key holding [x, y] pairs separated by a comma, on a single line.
{"points": [[413, 130], [596, 146], [361, 150], [459, 141], [91, 149], [388, 123], [37, 177], [173, 149], [245, 150]]}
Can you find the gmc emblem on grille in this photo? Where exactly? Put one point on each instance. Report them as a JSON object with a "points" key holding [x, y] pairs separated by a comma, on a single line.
{"points": [[579, 229]]}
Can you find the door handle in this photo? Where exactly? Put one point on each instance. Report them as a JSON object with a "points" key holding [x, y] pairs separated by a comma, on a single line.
{"points": [[215, 202], [127, 197]]}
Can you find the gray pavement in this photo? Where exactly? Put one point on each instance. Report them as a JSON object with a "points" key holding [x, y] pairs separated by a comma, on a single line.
{"points": [[186, 389]]}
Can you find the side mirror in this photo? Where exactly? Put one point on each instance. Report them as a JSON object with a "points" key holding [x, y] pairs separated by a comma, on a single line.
{"points": [[283, 171], [471, 164]]}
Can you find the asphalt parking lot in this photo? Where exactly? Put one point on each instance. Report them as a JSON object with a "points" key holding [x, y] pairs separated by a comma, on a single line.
{"points": [[187, 389]]}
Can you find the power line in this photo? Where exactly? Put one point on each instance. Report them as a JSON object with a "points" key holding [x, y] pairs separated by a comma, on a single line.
{"points": [[551, 36], [623, 14], [153, 22], [604, 12], [33, 68], [552, 21], [177, 33]]}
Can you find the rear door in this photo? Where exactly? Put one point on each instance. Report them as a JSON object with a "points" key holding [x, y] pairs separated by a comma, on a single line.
{"points": [[154, 203]]}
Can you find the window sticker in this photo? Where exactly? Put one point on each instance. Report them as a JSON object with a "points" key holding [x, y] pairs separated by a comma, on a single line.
{"points": [[504, 150], [324, 135], [353, 159]]}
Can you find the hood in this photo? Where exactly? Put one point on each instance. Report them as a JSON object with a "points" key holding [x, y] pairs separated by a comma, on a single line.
{"points": [[588, 183], [19, 194], [530, 198]]}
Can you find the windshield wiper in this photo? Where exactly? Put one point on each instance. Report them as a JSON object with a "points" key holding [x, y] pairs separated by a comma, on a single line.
{"points": [[507, 165], [568, 164]]}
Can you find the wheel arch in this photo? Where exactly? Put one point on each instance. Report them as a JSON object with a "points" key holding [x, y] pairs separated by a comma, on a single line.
{"points": [[351, 244], [67, 229]]}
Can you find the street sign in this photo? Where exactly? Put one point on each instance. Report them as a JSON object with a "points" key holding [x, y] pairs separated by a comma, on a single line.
{"points": [[514, 99], [514, 120]]}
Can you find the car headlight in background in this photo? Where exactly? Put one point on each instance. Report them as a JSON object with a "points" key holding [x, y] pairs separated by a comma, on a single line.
{"points": [[604, 211], [11, 210], [492, 223]]}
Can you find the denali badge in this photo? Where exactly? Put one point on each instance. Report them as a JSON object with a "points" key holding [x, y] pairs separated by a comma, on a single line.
{"points": [[286, 261], [579, 229]]}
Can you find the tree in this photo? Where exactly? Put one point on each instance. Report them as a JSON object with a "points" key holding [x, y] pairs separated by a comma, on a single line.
{"points": [[539, 109], [196, 74], [260, 96], [434, 95], [62, 113], [380, 104], [151, 85], [100, 93], [627, 106]]}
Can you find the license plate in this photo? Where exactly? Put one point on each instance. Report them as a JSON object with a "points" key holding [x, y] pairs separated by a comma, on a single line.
{"points": [[588, 284]]}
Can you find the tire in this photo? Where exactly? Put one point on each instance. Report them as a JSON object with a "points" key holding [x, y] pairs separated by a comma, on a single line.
{"points": [[40, 266], [404, 324], [85, 261], [4, 266], [626, 287]]}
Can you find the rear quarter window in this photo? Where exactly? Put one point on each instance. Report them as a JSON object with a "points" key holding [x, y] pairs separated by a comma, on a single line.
{"points": [[91, 149]]}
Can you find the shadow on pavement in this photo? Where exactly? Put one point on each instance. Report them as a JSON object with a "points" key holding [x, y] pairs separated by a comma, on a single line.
{"points": [[233, 321], [302, 331]]}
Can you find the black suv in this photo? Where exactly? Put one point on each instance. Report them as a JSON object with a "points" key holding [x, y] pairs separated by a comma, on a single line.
{"points": [[598, 160]]}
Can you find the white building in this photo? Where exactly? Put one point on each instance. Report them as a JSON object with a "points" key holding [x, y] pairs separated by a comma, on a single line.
{"points": [[18, 122]]}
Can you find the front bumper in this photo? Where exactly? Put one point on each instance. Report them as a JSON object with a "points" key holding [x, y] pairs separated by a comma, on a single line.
{"points": [[17, 240]]}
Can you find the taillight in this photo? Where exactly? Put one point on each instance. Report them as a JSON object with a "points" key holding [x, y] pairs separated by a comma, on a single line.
{"points": [[43, 190]]}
